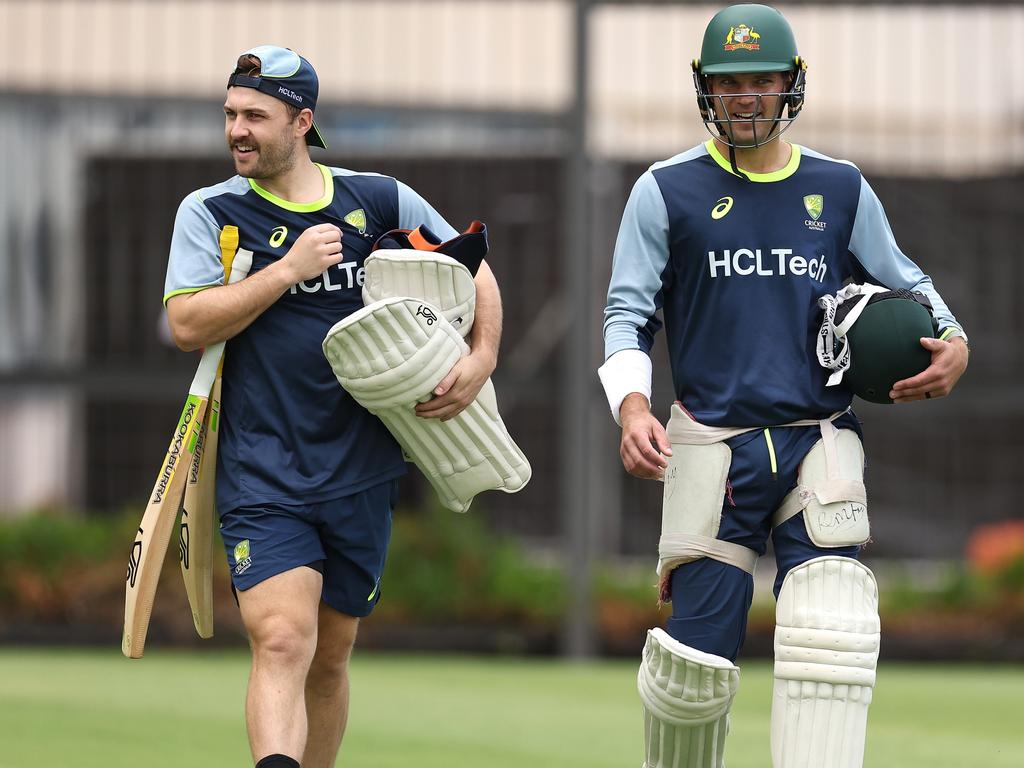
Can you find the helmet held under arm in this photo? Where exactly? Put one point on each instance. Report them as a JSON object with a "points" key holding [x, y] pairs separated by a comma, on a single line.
{"points": [[870, 338]]}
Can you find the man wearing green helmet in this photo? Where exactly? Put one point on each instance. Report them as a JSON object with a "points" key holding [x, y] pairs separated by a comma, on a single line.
{"points": [[736, 246], [750, 82]]}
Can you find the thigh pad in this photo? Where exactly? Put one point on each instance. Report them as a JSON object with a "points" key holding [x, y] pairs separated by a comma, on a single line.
{"points": [[830, 491], [695, 485]]}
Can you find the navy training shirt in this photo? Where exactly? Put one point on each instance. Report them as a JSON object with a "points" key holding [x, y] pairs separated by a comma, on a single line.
{"points": [[736, 267], [289, 432]]}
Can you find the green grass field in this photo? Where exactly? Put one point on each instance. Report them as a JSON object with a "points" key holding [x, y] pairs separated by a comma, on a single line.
{"points": [[92, 709]]}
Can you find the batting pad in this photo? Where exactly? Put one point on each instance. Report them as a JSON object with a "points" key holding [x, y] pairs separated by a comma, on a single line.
{"points": [[390, 356], [826, 650], [686, 695], [438, 279]]}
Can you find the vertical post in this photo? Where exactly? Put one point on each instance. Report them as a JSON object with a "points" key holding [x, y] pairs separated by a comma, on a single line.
{"points": [[578, 639]]}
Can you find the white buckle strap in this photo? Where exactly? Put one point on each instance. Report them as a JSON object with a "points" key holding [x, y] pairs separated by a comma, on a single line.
{"points": [[683, 428], [674, 549]]}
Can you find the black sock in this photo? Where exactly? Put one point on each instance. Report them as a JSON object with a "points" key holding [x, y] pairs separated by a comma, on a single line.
{"points": [[277, 761]]}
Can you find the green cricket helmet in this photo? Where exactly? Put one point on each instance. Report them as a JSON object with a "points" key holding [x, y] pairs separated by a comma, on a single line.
{"points": [[885, 342], [744, 39]]}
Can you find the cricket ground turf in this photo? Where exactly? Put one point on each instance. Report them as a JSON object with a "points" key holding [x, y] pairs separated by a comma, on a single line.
{"points": [[96, 709]]}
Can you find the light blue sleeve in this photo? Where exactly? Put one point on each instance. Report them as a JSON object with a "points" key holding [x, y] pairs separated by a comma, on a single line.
{"points": [[641, 253], [413, 211], [873, 245], [194, 262]]}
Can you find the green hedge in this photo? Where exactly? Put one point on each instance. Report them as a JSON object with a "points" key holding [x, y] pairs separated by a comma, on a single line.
{"points": [[446, 566], [442, 567]]}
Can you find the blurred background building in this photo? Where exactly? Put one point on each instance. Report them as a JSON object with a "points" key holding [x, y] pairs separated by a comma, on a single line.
{"points": [[535, 116]]}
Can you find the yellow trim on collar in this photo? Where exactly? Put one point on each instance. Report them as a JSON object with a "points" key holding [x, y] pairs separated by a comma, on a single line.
{"points": [[779, 175], [316, 205]]}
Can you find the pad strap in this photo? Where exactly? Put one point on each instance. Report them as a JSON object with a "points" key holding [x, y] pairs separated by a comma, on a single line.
{"points": [[674, 549], [683, 428]]}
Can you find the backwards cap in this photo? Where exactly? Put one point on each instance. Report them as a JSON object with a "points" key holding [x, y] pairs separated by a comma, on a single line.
{"points": [[286, 76]]}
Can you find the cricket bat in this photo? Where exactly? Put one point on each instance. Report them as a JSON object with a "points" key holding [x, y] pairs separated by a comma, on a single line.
{"points": [[150, 546], [195, 540], [198, 513]]}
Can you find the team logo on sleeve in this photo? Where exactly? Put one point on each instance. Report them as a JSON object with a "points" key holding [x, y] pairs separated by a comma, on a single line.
{"points": [[814, 205], [357, 219], [742, 37], [277, 236], [722, 207]]}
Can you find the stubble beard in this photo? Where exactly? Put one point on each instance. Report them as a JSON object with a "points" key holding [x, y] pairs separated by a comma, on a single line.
{"points": [[275, 159]]}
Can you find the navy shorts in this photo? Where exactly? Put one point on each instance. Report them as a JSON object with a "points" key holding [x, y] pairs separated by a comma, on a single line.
{"points": [[346, 539], [710, 599]]}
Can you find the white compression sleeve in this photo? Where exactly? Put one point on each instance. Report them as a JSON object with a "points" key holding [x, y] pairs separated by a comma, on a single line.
{"points": [[625, 372]]}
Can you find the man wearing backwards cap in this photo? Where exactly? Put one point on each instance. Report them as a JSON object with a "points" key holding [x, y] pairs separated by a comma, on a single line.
{"points": [[305, 475], [734, 241]]}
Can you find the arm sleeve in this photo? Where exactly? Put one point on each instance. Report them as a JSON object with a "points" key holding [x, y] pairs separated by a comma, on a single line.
{"points": [[873, 245], [625, 372], [194, 262], [638, 266], [414, 211]]}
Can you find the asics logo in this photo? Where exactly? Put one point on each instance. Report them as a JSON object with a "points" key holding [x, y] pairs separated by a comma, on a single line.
{"points": [[277, 236], [723, 206]]}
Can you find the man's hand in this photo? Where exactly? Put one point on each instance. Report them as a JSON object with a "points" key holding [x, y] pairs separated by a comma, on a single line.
{"points": [[949, 361], [644, 442], [459, 388], [313, 252]]}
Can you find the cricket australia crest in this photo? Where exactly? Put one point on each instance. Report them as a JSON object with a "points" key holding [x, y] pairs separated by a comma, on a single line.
{"points": [[815, 206]]}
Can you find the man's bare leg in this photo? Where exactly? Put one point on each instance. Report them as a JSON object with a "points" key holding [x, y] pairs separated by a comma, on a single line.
{"points": [[280, 615], [327, 687]]}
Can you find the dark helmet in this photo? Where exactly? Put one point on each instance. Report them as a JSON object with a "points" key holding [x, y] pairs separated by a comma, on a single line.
{"points": [[885, 343], [742, 39]]}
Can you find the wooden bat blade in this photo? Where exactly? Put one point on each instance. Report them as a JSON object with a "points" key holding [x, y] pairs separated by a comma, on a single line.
{"points": [[198, 515], [154, 534], [199, 521]]}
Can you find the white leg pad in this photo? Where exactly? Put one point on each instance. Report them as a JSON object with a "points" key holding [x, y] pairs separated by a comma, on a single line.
{"points": [[826, 651], [438, 279], [686, 695], [389, 356]]}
